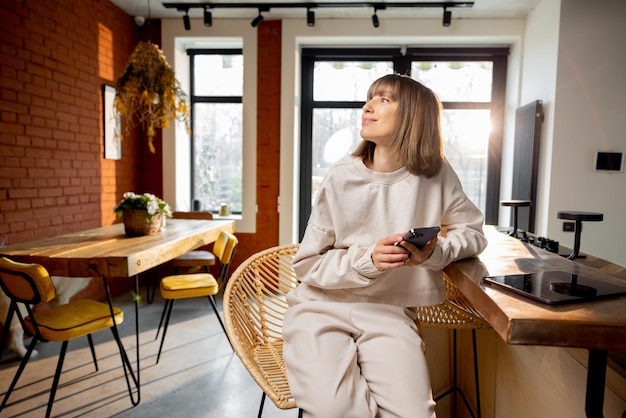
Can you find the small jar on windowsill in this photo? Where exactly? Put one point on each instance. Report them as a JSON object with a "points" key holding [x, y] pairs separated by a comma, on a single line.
{"points": [[224, 210]]}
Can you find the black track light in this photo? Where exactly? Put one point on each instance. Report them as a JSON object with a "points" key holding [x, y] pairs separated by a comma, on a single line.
{"points": [[310, 17], [186, 21], [208, 17], [257, 20], [447, 17]]}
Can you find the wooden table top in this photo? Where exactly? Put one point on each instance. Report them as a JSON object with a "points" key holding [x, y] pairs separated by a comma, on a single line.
{"points": [[107, 251], [597, 324]]}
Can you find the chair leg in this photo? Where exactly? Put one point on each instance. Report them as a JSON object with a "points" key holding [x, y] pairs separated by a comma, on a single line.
{"points": [[93, 351], [19, 371], [57, 376], [214, 305], [455, 388], [5, 329], [476, 383], [165, 305], [261, 405], [169, 305], [150, 283], [154, 280], [128, 370]]}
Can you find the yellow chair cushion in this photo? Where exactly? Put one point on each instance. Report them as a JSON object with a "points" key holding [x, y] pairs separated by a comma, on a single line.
{"points": [[182, 286], [20, 287], [73, 320]]}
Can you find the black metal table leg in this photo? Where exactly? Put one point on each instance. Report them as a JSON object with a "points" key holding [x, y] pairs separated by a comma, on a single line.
{"points": [[136, 299], [596, 379], [126, 365]]}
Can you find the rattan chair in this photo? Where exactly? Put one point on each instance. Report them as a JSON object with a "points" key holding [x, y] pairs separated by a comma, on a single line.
{"points": [[454, 313], [27, 285], [254, 305]]}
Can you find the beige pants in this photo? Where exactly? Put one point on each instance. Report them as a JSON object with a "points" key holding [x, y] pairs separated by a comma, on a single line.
{"points": [[356, 360]]}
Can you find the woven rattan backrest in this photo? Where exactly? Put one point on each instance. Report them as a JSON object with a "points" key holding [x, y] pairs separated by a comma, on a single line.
{"points": [[256, 295], [254, 306], [455, 312]]}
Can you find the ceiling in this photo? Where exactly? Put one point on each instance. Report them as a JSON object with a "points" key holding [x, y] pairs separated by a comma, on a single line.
{"points": [[482, 9]]}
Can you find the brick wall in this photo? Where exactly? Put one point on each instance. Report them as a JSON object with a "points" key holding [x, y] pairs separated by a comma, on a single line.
{"points": [[268, 142], [55, 56]]}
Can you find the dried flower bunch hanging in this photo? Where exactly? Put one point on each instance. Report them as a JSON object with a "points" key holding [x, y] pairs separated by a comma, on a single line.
{"points": [[148, 93]]}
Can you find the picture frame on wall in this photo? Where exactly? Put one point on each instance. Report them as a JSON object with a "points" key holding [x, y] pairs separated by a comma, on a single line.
{"points": [[111, 125]]}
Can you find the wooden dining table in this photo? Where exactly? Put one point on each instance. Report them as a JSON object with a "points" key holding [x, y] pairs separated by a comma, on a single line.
{"points": [[107, 252], [597, 325]]}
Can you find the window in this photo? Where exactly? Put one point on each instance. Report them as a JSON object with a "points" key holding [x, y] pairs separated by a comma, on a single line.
{"points": [[469, 82], [217, 126], [334, 88]]}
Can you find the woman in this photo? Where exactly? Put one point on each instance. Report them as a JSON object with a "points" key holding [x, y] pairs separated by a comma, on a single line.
{"points": [[351, 343]]}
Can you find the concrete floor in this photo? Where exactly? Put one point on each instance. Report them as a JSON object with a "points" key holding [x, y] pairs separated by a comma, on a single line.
{"points": [[198, 374]]}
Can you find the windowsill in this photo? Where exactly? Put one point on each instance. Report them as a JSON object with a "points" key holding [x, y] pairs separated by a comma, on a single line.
{"points": [[229, 217]]}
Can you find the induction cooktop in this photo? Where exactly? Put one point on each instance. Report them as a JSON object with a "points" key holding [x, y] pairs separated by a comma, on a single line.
{"points": [[556, 287]]}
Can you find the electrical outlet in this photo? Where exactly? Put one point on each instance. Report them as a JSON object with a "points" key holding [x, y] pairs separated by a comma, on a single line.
{"points": [[568, 226]]}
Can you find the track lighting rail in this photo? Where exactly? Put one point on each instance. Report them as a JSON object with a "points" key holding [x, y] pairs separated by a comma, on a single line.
{"points": [[309, 6], [183, 7]]}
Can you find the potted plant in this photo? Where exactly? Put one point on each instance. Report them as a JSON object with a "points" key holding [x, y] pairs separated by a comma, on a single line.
{"points": [[143, 214], [148, 93]]}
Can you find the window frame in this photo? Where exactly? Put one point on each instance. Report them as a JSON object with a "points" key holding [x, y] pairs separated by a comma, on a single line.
{"points": [[194, 99], [402, 64], [309, 57], [499, 57]]}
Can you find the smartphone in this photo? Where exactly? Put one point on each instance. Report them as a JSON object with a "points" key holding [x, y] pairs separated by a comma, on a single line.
{"points": [[420, 236]]}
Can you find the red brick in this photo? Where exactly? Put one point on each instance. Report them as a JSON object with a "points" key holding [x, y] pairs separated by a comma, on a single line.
{"points": [[58, 42]]}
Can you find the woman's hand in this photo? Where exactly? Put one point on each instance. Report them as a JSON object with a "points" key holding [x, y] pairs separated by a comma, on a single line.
{"points": [[392, 252], [386, 254], [417, 256]]}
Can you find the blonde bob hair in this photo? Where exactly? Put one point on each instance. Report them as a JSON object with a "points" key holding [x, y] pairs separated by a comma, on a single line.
{"points": [[417, 140]]}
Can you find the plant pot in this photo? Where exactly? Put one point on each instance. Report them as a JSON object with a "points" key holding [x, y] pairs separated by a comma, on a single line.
{"points": [[135, 223]]}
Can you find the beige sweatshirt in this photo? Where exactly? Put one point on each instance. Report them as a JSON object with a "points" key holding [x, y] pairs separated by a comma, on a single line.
{"points": [[356, 207]]}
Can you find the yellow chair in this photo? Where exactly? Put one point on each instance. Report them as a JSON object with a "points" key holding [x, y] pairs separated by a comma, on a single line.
{"points": [[192, 285], [27, 285], [192, 260], [455, 312], [196, 259], [254, 306]]}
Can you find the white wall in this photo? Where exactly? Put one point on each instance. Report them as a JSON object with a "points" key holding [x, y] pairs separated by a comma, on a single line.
{"points": [[541, 43], [589, 115]]}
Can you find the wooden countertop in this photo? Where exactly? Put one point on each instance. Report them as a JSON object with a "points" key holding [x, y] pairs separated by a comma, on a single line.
{"points": [[107, 251], [597, 324]]}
